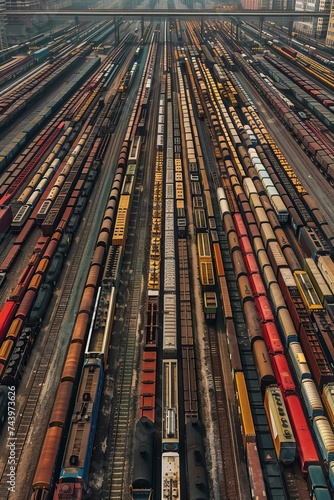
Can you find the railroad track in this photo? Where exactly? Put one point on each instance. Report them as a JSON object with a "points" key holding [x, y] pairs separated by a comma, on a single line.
{"points": [[38, 378], [229, 488], [39, 372], [231, 484], [116, 480], [116, 485]]}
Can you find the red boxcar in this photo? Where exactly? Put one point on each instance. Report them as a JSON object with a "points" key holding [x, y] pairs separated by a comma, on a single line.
{"points": [[257, 285], [307, 452], [251, 264], [245, 245], [290, 51], [263, 309], [282, 373], [239, 225], [272, 338]]}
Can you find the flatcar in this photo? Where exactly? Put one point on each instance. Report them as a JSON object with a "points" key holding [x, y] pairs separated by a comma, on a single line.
{"points": [[169, 325], [170, 419]]}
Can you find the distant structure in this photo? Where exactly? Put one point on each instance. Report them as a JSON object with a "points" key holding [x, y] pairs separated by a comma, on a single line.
{"points": [[3, 19], [276, 4], [281, 4], [312, 27], [250, 4], [19, 28], [330, 31]]}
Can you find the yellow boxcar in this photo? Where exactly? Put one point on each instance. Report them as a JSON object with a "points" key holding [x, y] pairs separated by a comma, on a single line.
{"points": [[247, 424]]}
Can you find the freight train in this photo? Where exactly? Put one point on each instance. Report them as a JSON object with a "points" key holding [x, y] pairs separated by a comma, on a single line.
{"points": [[291, 259], [29, 300], [307, 452], [75, 463], [316, 146], [175, 257]]}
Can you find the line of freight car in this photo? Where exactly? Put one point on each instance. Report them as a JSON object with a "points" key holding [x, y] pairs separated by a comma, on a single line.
{"points": [[47, 188], [99, 336], [307, 208], [250, 189], [69, 196], [31, 159], [35, 87], [52, 160], [33, 152], [14, 68], [86, 188], [319, 364], [189, 401], [324, 160], [76, 461], [13, 148], [263, 175], [8, 311], [298, 215], [307, 452], [190, 404], [33, 282], [79, 195], [170, 425], [235, 358], [196, 173], [239, 347], [172, 418], [279, 265], [277, 370], [142, 478], [281, 371], [43, 480], [324, 76], [44, 477], [304, 204], [194, 428], [252, 310], [286, 249]]}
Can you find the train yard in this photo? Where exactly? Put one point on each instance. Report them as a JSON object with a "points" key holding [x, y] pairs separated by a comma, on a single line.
{"points": [[166, 266]]}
